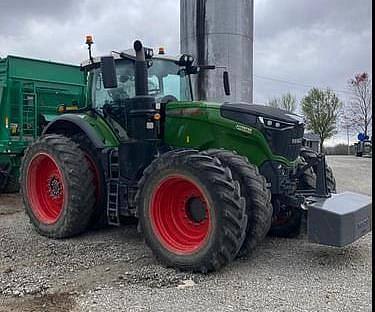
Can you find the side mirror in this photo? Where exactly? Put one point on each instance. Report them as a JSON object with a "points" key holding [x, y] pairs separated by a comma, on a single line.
{"points": [[226, 83], [107, 65]]}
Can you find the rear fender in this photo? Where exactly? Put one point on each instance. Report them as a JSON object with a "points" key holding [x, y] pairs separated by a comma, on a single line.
{"points": [[96, 129]]}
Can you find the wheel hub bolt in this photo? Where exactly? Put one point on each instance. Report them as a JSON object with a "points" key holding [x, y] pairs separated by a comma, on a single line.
{"points": [[55, 187]]}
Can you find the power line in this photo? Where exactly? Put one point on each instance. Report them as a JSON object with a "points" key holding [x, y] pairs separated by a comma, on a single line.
{"points": [[309, 86]]}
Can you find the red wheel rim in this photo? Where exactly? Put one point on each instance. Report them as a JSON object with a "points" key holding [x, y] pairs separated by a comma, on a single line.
{"points": [[45, 188], [179, 215]]}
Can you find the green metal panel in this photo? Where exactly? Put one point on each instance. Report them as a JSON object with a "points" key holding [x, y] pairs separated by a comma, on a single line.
{"points": [[3, 72], [199, 125], [30, 90], [39, 70], [104, 132]]}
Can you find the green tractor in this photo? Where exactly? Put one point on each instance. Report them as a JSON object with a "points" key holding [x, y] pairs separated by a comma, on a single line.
{"points": [[206, 181]]}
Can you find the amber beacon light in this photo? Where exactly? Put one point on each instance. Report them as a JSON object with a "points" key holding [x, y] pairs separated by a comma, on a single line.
{"points": [[89, 40]]}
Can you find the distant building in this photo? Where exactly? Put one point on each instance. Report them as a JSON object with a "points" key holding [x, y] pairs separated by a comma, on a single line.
{"points": [[312, 140]]}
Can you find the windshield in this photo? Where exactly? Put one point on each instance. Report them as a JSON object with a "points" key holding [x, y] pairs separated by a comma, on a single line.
{"points": [[163, 80]]}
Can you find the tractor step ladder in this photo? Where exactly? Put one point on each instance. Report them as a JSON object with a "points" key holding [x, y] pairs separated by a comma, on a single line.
{"points": [[113, 187]]}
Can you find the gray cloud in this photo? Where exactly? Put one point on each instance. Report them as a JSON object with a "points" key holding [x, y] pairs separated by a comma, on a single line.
{"points": [[310, 43], [321, 42], [16, 14], [273, 16], [56, 29]]}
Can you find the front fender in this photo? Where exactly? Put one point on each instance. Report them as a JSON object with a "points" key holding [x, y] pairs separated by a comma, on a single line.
{"points": [[95, 127]]}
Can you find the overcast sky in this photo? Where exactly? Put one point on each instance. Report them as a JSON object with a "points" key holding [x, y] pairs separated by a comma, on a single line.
{"points": [[298, 43]]}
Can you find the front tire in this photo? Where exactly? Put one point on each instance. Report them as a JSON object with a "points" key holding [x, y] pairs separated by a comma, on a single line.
{"points": [[258, 198], [288, 223], [308, 180], [57, 187], [191, 212]]}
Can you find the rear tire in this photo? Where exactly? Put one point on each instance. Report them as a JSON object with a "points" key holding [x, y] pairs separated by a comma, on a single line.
{"points": [[57, 187], [191, 212], [99, 217], [258, 198]]}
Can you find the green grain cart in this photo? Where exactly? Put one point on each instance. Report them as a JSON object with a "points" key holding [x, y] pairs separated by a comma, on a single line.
{"points": [[31, 94]]}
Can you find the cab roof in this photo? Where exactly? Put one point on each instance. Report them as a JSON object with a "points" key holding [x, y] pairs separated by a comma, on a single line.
{"points": [[127, 54]]}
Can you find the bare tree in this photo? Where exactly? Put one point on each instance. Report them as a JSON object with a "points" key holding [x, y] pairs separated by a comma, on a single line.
{"points": [[321, 110], [287, 102], [358, 112]]}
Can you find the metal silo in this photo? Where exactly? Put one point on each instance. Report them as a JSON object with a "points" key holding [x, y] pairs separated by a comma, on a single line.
{"points": [[220, 32]]}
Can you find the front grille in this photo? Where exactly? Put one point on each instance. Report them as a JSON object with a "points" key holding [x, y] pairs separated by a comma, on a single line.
{"points": [[286, 143]]}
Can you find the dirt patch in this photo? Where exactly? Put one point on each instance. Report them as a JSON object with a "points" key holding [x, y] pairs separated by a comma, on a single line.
{"points": [[10, 204], [57, 302]]}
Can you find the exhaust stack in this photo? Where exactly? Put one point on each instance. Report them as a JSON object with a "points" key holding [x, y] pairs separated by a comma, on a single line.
{"points": [[141, 125], [141, 74]]}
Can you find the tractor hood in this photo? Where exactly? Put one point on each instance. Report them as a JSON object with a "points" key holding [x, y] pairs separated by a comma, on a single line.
{"points": [[282, 130], [259, 130], [238, 111]]}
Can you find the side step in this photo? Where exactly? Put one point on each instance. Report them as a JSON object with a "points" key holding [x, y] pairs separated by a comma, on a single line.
{"points": [[339, 220], [113, 215]]}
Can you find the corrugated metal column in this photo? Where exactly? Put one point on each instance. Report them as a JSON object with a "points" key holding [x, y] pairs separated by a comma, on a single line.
{"points": [[220, 32]]}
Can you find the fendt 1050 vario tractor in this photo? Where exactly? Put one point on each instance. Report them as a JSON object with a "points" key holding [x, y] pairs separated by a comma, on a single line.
{"points": [[206, 181]]}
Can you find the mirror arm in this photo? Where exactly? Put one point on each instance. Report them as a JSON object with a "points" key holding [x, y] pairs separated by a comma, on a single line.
{"points": [[191, 87], [226, 83]]}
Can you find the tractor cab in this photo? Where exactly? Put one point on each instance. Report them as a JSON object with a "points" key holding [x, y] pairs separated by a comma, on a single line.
{"points": [[165, 81]]}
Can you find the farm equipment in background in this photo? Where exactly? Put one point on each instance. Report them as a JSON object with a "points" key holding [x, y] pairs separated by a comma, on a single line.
{"points": [[207, 181], [364, 146], [31, 94]]}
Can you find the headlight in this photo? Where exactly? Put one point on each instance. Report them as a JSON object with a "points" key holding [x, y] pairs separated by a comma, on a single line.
{"points": [[275, 124]]}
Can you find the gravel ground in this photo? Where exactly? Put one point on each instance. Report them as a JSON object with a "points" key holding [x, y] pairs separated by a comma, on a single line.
{"points": [[112, 270]]}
